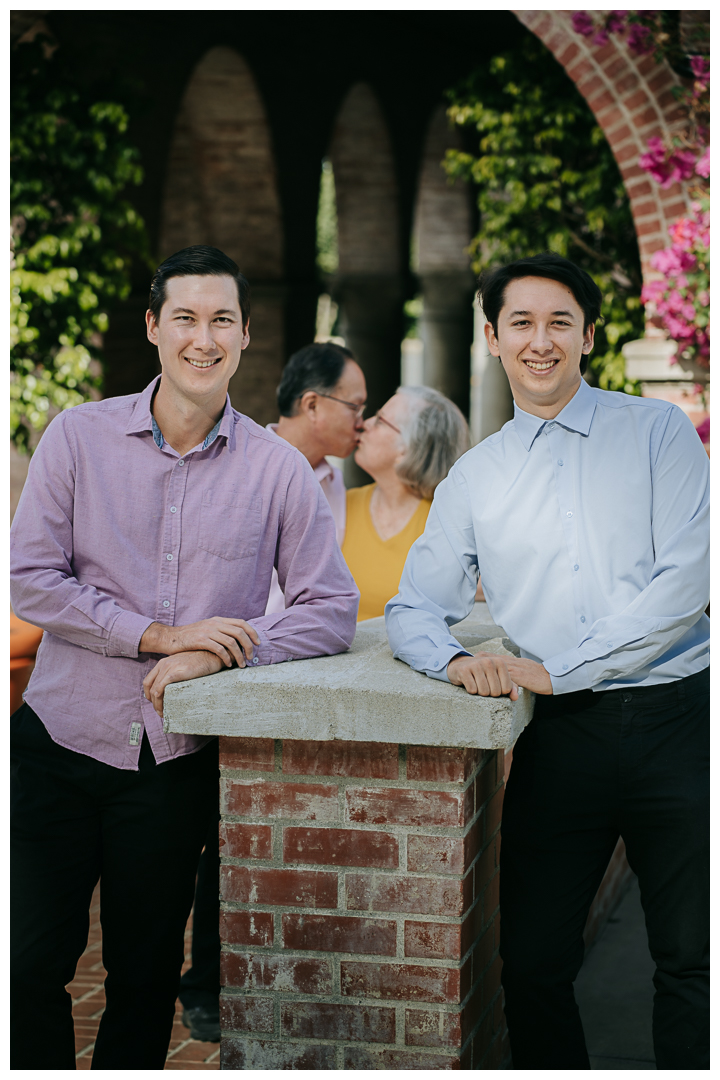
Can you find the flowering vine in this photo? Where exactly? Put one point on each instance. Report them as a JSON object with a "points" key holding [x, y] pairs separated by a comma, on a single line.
{"points": [[680, 299]]}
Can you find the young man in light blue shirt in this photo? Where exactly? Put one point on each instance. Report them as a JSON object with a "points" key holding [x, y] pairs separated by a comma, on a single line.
{"points": [[587, 518]]}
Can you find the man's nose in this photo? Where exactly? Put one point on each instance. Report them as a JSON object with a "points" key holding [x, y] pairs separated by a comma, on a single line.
{"points": [[541, 341], [203, 338]]}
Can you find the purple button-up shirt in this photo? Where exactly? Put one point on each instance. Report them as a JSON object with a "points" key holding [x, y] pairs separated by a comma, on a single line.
{"points": [[114, 531]]}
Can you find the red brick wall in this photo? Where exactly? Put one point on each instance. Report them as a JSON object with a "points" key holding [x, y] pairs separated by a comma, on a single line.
{"points": [[632, 100], [359, 922]]}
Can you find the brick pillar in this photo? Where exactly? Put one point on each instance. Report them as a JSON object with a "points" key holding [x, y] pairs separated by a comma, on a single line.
{"points": [[359, 889]]}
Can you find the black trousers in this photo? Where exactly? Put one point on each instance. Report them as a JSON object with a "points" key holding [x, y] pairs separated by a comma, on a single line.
{"points": [[200, 985], [75, 821], [589, 768]]}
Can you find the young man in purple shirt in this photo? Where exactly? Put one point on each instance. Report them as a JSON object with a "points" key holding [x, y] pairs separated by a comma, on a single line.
{"points": [[144, 545]]}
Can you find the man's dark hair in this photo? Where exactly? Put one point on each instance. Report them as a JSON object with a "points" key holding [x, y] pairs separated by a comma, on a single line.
{"points": [[316, 367], [204, 261], [493, 283]]}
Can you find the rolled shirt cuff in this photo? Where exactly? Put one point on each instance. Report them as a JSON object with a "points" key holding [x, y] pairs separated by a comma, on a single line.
{"points": [[126, 633]]}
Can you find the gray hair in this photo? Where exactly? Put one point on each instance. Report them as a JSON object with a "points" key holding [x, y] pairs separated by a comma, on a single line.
{"points": [[435, 434]]}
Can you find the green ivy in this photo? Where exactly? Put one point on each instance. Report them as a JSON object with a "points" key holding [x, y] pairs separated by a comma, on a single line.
{"points": [[74, 236], [546, 179]]}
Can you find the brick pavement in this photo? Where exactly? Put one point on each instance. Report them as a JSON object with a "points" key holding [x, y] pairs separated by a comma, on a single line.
{"points": [[89, 1001]]}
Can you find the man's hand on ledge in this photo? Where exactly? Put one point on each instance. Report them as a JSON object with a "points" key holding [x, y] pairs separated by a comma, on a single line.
{"points": [[230, 639], [185, 665], [490, 675]]}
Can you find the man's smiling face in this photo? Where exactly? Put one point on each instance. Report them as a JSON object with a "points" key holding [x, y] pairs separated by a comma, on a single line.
{"points": [[199, 334], [540, 339]]}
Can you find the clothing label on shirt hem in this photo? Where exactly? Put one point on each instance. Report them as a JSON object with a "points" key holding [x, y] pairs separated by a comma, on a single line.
{"points": [[135, 730]]}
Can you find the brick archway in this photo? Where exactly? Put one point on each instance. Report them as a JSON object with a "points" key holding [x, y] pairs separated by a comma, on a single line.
{"points": [[220, 189], [632, 100]]}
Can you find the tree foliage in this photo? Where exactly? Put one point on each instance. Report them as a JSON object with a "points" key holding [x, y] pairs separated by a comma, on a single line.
{"points": [[73, 234], [546, 179]]}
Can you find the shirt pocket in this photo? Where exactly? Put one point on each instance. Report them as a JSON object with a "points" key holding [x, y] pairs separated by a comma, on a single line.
{"points": [[230, 525]]}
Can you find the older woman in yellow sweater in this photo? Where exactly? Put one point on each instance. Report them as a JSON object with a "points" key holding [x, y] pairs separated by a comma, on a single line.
{"points": [[408, 447]]}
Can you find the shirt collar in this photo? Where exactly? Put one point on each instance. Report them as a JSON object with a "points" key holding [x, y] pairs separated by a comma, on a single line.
{"points": [[576, 416], [142, 418]]}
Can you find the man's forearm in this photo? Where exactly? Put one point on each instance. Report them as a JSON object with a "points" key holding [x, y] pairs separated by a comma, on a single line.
{"points": [[158, 639]]}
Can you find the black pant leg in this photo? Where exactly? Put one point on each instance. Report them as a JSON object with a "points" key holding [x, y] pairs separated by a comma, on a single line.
{"points": [[200, 985], [559, 830], [55, 865], [152, 837], [665, 823]]}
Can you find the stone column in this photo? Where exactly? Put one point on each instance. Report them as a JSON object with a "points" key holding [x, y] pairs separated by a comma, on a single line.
{"points": [[442, 233], [446, 329], [371, 322], [491, 402]]}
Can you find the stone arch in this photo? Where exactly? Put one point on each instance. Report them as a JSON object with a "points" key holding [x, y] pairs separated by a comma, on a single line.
{"points": [[221, 189], [632, 100], [442, 232], [369, 280]]}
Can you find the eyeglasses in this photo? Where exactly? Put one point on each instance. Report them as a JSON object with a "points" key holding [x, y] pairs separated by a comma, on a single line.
{"points": [[357, 409], [381, 419]]}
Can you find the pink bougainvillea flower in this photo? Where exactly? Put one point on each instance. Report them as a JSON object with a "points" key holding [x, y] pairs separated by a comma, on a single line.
{"points": [[638, 40], [615, 22], [601, 38], [582, 23], [703, 430], [666, 166], [702, 168], [700, 68], [682, 165]]}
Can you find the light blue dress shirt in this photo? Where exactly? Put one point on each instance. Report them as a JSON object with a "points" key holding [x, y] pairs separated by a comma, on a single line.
{"points": [[591, 533]]}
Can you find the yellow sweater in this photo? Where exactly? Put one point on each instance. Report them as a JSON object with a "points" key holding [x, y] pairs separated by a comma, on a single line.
{"points": [[376, 564]]}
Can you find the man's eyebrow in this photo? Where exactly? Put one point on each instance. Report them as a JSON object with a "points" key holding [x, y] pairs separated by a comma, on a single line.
{"points": [[189, 311], [568, 313]]}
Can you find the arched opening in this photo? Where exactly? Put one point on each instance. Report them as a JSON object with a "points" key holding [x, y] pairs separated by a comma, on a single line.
{"points": [[221, 189], [368, 283]]}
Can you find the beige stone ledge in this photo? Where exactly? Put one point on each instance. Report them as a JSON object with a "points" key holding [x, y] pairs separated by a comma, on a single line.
{"points": [[363, 695]]}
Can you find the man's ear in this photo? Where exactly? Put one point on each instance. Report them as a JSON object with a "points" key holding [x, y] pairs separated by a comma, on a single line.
{"points": [[491, 338], [151, 325], [246, 336], [588, 339], [308, 405]]}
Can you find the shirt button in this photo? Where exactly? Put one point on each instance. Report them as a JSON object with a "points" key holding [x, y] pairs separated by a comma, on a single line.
{"points": [[169, 558], [255, 660], [166, 603], [565, 667], [181, 461], [582, 618], [569, 513], [627, 698], [576, 567], [173, 509], [609, 644], [561, 462]]}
